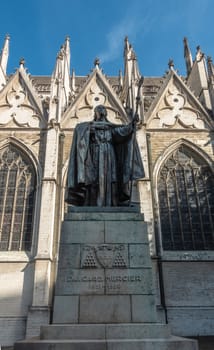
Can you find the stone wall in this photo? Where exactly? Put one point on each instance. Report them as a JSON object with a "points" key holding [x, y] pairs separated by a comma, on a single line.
{"points": [[16, 280]]}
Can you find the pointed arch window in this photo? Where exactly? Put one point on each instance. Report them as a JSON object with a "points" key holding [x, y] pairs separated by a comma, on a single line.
{"points": [[186, 202], [17, 194]]}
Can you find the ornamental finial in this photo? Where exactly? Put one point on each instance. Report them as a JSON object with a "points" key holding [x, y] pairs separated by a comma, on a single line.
{"points": [[96, 62], [22, 61]]}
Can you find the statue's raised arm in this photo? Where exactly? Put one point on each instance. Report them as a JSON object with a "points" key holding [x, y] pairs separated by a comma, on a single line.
{"points": [[101, 163]]}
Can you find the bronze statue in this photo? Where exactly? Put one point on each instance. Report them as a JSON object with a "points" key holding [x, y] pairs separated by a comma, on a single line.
{"points": [[103, 161]]}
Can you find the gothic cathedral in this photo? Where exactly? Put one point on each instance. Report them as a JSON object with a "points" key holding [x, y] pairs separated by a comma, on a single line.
{"points": [[175, 135]]}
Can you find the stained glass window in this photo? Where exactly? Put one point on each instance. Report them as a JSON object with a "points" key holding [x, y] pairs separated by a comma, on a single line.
{"points": [[186, 202], [17, 192]]}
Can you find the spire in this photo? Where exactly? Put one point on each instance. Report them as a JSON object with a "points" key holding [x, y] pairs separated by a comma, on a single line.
{"points": [[67, 51], [187, 56], [3, 62], [58, 70], [21, 63], [210, 71], [130, 61], [73, 85], [199, 54], [56, 88], [60, 82], [126, 46], [120, 80], [197, 79], [131, 76], [73, 81], [66, 82], [5, 54], [171, 64], [97, 62]]}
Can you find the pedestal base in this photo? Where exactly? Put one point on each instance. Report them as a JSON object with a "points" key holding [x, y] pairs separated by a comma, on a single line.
{"points": [[107, 337], [104, 295]]}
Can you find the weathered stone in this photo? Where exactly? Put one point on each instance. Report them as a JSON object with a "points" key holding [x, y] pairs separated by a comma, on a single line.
{"points": [[69, 256], [125, 232], [105, 309], [104, 294], [13, 329], [184, 283], [80, 282], [62, 345], [143, 308], [104, 213], [74, 331], [114, 344], [139, 255], [83, 232], [128, 281], [66, 309], [104, 256], [154, 344], [36, 317], [137, 331], [203, 324], [14, 299], [105, 331]]}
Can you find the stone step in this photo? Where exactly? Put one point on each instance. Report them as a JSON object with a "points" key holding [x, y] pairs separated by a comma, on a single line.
{"points": [[111, 344], [105, 331]]}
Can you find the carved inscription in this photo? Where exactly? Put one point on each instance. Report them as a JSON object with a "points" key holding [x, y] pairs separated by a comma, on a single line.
{"points": [[104, 255], [108, 281], [101, 269], [112, 283]]}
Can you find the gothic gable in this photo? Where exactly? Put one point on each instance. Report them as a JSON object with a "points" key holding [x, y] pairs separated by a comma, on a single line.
{"points": [[19, 104], [97, 90], [176, 107]]}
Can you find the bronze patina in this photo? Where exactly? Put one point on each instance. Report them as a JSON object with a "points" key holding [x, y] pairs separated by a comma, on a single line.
{"points": [[101, 162]]}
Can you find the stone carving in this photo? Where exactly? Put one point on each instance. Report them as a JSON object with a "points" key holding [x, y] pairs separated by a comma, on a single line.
{"points": [[43, 87], [119, 261], [103, 160], [89, 259], [16, 108], [95, 95], [105, 255], [177, 111]]}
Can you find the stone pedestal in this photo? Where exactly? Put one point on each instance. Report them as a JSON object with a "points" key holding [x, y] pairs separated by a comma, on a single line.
{"points": [[104, 295]]}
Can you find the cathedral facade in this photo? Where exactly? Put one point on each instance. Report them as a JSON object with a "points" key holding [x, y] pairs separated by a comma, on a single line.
{"points": [[175, 136]]}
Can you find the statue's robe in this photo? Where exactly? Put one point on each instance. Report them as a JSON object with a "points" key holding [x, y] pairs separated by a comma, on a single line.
{"points": [[102, 163]]}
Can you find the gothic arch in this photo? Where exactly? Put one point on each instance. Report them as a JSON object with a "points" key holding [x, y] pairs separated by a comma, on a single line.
{"points": [[185, 198], [173, 147], [26, 150], [18, 194]]}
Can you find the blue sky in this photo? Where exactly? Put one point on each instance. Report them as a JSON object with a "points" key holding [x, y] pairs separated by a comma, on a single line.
{"points": [[155, 28]]}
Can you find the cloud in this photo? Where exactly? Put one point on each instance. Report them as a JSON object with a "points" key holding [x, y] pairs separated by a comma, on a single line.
{"points": [[130, 25], [115, 39]]}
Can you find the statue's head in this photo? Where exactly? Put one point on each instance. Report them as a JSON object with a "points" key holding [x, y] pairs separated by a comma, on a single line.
{"points": [[100, 113]]}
